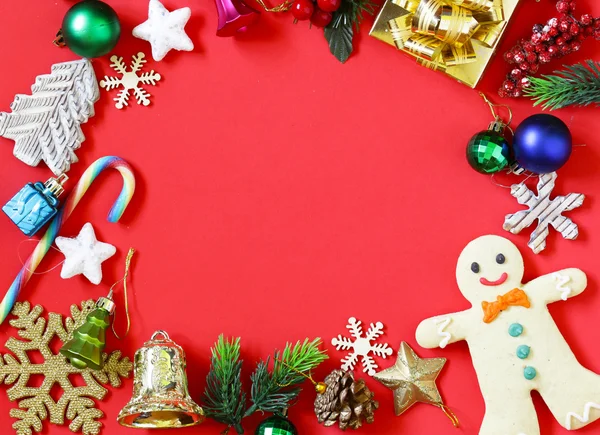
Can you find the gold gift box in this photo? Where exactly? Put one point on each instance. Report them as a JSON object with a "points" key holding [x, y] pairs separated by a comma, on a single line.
{"points": [[456, 37]]}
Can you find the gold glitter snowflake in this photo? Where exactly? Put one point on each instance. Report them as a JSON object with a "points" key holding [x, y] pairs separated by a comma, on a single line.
{"points": [[35, 403]]}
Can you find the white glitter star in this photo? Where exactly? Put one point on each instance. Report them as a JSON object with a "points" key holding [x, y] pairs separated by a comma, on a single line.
{"points": [[164, 30], [84, 254]]}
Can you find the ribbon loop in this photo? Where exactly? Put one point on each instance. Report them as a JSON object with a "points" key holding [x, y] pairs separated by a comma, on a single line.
{"points": [[442, 33]]}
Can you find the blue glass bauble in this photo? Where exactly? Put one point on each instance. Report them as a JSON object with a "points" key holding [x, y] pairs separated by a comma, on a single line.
{"points": [[542, 144]]}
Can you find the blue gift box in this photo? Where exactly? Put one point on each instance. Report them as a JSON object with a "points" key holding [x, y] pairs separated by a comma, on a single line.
{"points": [[34, 205]]}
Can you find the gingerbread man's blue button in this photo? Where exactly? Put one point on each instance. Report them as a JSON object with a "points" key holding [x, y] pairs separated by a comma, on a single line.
{"points": [[515, 329], [529, 373], [523, 351]]}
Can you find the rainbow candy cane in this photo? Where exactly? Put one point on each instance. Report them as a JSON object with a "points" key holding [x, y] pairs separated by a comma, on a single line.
{"points": [[71, 202]]}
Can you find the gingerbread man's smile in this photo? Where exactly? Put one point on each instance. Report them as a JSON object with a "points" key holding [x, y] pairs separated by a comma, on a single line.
{"points": [[499, 281]]}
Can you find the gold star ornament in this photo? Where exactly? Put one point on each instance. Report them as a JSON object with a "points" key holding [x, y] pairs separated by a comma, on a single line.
{"points": [[412, 379]]}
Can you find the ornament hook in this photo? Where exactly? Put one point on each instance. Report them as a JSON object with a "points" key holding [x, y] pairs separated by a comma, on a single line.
{"points": [[451, 415], [160, 332], [124, 280], [283, 7], [493, 108], [320, 387]]}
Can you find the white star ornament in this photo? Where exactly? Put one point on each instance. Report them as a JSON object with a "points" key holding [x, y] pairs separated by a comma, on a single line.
{"points": [[164, 30], [84, 254]]}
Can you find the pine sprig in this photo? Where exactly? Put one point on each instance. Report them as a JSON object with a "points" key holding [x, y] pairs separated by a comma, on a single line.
{"points": [[224, 400], [340, 31], [273, 391], [578, 85]]}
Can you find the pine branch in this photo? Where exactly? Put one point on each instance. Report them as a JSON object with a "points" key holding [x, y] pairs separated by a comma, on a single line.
{"points": [[224, 400], [273, 392], [578, 85], [340, 31]]}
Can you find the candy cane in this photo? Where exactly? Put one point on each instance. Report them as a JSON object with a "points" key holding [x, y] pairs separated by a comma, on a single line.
{"points": [[71, 202]]}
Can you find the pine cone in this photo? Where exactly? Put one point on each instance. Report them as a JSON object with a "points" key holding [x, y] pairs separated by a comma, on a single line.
{"points": [[345, 400]]}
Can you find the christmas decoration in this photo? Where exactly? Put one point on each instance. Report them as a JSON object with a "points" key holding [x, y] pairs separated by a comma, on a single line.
{"points": [[85, 348], [362, 346], [45, 124], [276, 425], [36, 403], [224, 399], [164, 30], [545, 210], [321, 18], [578, 85], [320, 12], [35, 204], [91, 28], [234, 16], [160, 388], [303, 9], [456, 37], [488, 151], [339, 33], [45, 243], [520, 349], [542, 144], [345, 401], [84, 255], [130, 80], [412, 379], [560, 36]]}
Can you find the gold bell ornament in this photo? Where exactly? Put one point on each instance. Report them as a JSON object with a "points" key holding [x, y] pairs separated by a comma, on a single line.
{"points": [[160, 389]]}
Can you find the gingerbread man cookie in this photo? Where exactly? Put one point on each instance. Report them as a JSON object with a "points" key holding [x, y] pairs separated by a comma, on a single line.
{"points": [[515, 345]]}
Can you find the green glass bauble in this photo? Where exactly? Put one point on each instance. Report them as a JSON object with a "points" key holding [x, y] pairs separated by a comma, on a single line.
{"points": [[488, 152], [91, 28], [276, 425]]}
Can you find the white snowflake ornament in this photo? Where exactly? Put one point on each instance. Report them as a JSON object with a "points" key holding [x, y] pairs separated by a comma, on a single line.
{"points": [[84, 255], [130, 80], [362, 346], [545, 210], [164, 30]]}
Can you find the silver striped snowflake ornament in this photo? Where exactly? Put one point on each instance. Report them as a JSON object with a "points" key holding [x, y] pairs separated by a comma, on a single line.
{"points": [[545, 210]]}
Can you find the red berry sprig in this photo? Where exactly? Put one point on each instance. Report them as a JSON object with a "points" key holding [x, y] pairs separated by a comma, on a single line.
{"points": [[320, 12], [559, 37]]}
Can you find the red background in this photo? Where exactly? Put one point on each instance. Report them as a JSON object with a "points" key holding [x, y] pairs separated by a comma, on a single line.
{"points": [[280, 192]]}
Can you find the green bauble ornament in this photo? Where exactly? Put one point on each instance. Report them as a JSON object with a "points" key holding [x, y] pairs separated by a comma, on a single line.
{"points": [[488, 151], [85, 348], [91, 28], [276, 425]]}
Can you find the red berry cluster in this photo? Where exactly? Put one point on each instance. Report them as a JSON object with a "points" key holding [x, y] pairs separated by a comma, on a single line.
{"points": [[320, 12], [559, 37]]}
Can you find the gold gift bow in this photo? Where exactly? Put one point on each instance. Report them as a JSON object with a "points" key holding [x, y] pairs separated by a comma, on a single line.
{"points": [[439, 33]]}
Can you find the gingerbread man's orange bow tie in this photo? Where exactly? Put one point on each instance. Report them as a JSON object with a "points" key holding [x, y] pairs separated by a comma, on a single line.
{"points": [[515, 297]]}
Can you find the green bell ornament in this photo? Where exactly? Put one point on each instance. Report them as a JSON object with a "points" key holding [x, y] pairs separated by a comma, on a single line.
{"points": [[87, 344], [91, 28], [276, 425], [488, 151], [85, 348]]}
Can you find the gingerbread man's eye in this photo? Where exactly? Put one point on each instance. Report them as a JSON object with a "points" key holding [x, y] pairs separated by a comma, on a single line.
{"points": [[475, 267], [500, 259]]}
